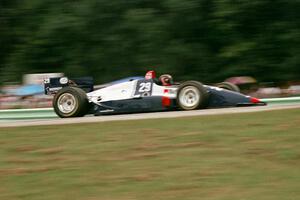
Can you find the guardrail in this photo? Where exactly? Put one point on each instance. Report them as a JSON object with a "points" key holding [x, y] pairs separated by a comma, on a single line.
{"points": [[40, 113]]}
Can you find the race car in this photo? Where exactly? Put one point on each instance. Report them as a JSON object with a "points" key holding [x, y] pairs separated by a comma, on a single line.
{"points": [[77, 97]]}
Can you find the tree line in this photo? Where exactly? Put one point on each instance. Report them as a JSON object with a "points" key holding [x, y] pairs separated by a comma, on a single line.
{"points": [[206, 40]]}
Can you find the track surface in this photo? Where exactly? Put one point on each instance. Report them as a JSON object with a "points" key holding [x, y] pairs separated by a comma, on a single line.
{"points": [[156, 115]]}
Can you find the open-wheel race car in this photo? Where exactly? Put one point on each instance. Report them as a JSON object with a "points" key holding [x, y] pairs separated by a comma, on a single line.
{"points": [[77, 97]]}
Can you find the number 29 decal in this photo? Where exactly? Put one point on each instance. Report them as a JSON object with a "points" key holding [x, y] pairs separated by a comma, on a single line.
{"points": [[143, 87]]}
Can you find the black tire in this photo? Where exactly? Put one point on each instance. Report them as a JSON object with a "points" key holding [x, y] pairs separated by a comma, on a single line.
{"points": [[229, 86], [192, 88], [68, 96]]}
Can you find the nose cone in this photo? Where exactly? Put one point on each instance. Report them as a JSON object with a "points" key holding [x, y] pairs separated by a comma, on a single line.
{"points": [[257, 101]]}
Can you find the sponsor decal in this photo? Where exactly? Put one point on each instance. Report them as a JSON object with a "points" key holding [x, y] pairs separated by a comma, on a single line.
{"points": [[47, 80], [63, 80], [103, 111], [54, 89], [216, 88]]}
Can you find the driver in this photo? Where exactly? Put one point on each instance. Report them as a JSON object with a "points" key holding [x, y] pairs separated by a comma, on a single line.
{"points": [[166, 80]]}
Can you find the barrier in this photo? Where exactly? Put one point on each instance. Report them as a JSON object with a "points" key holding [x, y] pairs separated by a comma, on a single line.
{"points": [[35, 113], [40, 113], [282, 100]]}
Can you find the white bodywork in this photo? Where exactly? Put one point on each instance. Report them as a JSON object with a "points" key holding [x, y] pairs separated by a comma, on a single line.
{"points": [[127, 90]]}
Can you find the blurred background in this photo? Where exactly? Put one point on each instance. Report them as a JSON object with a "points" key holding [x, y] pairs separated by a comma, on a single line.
{"points": [[205, 40]]}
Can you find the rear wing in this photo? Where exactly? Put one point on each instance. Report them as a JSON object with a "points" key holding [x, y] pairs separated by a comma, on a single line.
{"points": [[53, 85]]}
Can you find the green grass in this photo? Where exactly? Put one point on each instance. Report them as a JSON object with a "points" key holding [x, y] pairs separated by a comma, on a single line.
{"points": [[239, 156]]}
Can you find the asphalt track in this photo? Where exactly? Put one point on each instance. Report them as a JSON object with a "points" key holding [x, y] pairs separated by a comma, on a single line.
{"points": [[155, 115]]}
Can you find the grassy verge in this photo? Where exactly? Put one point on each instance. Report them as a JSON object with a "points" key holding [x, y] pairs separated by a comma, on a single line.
{"points": [[239, 156]]}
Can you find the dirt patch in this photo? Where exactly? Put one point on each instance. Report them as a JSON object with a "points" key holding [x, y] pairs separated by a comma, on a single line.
{"points": [[252, 140], [16, 160], [22, 171], [143, 155], [53, 150], [26, 148], [151, 146], [189, 144]]}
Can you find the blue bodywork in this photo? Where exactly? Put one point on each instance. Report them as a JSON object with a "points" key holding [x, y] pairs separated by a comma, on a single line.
{"points": [[226, 98]]}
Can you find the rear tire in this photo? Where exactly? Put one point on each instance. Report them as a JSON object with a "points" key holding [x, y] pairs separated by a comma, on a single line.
{"points": [[192, 95], [70, 102], [229, 86]]}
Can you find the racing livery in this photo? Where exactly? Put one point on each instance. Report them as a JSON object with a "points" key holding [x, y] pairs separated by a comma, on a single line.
{"points": [[77, 97]]}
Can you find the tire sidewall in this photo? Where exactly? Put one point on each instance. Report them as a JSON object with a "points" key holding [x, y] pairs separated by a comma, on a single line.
{"points": [[229, 86], [80, 98], [203, 95]]}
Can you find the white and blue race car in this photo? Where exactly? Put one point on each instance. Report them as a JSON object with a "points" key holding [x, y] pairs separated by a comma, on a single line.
{"points": [[77, 97]]}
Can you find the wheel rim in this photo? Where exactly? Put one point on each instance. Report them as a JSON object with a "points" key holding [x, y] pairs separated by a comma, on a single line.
{"points": [[66, 103], [189, 97]]}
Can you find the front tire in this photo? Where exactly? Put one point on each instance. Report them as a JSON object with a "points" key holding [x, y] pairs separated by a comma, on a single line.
{"points": [[70, 102], [229, 86], [192, 95]]}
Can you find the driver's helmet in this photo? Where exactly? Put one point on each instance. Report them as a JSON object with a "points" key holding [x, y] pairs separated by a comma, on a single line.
{"points": [[150, 75], [166, 79]]}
